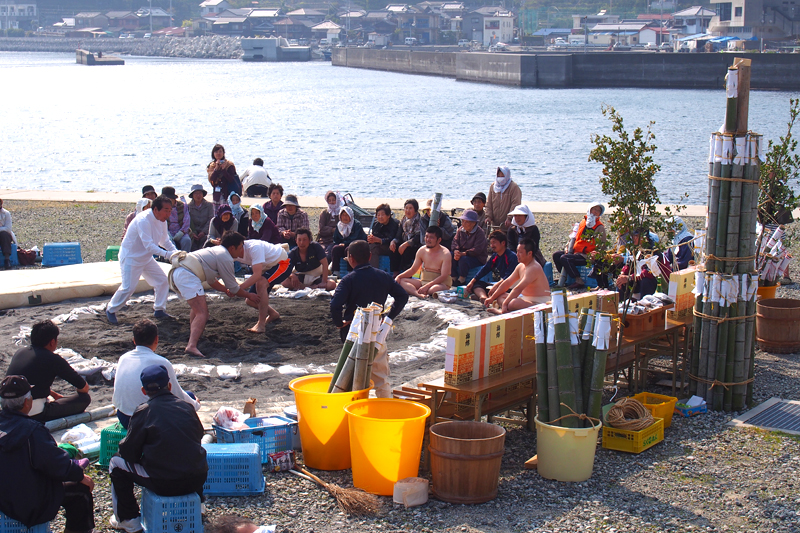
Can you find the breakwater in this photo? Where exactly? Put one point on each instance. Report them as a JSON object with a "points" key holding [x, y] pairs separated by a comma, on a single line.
{"points": [[580, 70], [205, 47]]}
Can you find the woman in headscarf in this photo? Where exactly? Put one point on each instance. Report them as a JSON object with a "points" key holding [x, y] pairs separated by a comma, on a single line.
{"points": [[348, 229], [407, 241], [221, 223], [261, 227], [523, 226], [242, 220], [504, 194], [682, 252], [142, 205], [581, 244], [328, 220]]}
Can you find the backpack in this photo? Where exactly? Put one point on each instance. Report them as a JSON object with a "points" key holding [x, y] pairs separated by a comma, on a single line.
{"points": [[236, 185]]}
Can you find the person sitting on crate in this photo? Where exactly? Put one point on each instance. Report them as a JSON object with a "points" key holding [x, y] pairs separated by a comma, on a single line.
{"points": [[582, 242], [530, 285], [161, 451], [446, 225], [434, 262], [38, 476], [308, 265], [7, 237], [348, 230], [468, 247], [384, 229], [503, 262], [290, 219], [128, 393], [359, 289], [41, 366]]}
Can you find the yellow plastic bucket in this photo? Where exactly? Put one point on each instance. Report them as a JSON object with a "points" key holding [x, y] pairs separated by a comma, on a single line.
{"points": [[385, 442], [323, 422], [566, 454]]}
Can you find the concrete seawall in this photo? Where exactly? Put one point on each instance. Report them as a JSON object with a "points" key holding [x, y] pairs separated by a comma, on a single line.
{"points": [[580, 70]]}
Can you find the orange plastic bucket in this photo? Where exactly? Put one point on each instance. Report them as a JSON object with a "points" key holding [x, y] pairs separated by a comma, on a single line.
{"points": [[385, 442], [322, 421]]}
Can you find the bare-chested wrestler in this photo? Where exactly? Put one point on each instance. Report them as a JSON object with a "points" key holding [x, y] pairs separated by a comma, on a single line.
{"points": [[435, 261], [531, 284]]}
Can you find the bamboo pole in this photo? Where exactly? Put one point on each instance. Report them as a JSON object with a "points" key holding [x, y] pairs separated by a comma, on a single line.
{"points": [[539, 327], [713, 340], [436, 208], [566, 378], [576, 361], [694, 365], [552, 370], [363, 352], [350, 340], [587, 338], [601, 343]]}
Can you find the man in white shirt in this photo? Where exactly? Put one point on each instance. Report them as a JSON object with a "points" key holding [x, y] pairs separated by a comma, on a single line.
{"points": [[7, 236], [207, 265], [128, 393], [147, 236], [271, 266], [256, 180]]}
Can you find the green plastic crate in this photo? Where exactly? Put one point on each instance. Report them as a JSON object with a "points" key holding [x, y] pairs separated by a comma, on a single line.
{"points": [[109, 443], [112, 253]]}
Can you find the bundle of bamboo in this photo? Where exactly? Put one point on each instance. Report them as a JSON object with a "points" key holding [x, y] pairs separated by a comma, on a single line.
{"points": [[365, 339], [571, 353], [722, 361]]}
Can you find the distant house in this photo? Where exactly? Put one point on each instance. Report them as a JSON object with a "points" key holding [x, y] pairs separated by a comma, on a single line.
{"points": [[488, 25], [312, 15], [18, 15], [692, 21], [415, 22], [262, 20], [583, 21], [547, 36], [160, 18], [379, 21], [90, 19], [210, 7], [202, 25], [327, 30], [292, 28], [123, 20], [624, 32]]}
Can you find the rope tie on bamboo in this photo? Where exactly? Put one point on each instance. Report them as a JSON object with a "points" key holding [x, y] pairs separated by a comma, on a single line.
{"points": [[629, 414], [720, 178], [581, 416], [731, 259], [718, 319], [714, 382]]}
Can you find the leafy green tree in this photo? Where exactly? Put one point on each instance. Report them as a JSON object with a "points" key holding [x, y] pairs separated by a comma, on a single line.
{"points": [[780, 173]]}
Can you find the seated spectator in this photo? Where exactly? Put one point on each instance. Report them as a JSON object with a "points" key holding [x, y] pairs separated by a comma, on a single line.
{"points": [[530, 285], [328, 220], [201, 211], [478, 204], [128, 393], [581, 244], [308, 265], [179, 220], [433, 261], [448, 229], [274, 205], [468, 247], [256, 180], [407, 241], [262, 228], [221, 223], [238, 212], [628, 282], [149, 192], [503, 262], [504, 194], [348, 230], [141, 205], [523, 226], [7, 236], [384, 230], [41, 366], [161, 451], [290, 219], [38, 476], [679, 256]]}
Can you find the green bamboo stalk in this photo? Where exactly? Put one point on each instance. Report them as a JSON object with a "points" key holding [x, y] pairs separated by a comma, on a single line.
{"points": [[713, 203], [436, 206], [348, 345], [576, 361], [749, 342], [344, 382], [722, 353], [694, 364], [705, 335], [601, 344], [540, 327], [363, 353], [585, 325], [552, 370], [566, 377], [713, 327], [732, 100]]}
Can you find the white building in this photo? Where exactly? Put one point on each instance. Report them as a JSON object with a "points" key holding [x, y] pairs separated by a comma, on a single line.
{"points": [[498, 28], [18, 15], [210, 7], [692, 21]]}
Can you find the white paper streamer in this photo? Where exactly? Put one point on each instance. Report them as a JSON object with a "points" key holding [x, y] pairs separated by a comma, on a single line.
{"points": [[602, 332], [588, 330], [699, 282], [741, 158], [559, 313], [573, 329], [538, 327], [717, 148], [727, 150], [551, 330], [732, 84], [355, 326]]}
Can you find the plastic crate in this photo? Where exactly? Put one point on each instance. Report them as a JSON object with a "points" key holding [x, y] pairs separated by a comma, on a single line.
{"points": [[233, 470], [584, 271], [343, 266], [14, 258], [385, 264], [109, 442], [660, 406], [487, 278], [272, 434], [61, 253], [9, 525], [633, 441], [687, 412], [548, 273], [112, 253], [171, 514]]}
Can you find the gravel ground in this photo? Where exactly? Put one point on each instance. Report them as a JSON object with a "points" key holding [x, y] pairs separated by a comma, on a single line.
{"points": [[704, 476]]}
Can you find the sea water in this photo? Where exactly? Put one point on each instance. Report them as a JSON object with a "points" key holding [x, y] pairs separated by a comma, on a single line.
{"points": [[318, 127]]}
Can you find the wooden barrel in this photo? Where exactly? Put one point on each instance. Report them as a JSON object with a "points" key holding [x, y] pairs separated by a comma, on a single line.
{"points": [[778, 325], [465, 460]]}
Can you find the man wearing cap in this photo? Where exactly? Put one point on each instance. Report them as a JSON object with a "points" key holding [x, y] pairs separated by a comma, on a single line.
{"points": [[290, 219], [179, 220], [478, 203], [41, 366], [146, 236], [201, 211], [128, 393], [256, 180], [468, 247], [38, 476], [161, 450], [149, 192], [504, 194]]}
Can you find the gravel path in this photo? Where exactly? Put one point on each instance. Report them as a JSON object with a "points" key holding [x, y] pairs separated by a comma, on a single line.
{"points": [[705, 476]]}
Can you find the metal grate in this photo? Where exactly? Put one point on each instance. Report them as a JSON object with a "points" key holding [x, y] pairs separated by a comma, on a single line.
{"points": [[774, 414]]}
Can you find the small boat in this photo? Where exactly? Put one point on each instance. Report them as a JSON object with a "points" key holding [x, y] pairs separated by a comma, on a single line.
{"points": [[84, 57]]}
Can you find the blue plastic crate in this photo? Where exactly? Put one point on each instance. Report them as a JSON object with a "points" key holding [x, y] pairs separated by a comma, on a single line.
{"points": [[61, 253], [385, 264], [487, 278], [233, 470], [171, 514], [9, 525], [584, 271], [548, 273], [272, 434], [13, 257]]}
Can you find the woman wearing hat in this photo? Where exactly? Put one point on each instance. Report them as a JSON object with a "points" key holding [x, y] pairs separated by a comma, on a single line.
{"points": [[224, 221], [290, 219], [468, 247], [201, 211]]}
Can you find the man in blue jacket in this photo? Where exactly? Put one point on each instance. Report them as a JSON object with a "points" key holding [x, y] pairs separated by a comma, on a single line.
{"points": [[38, 476]]}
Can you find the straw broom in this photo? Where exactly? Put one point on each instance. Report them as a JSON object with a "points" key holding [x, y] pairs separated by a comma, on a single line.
{"points": [[352, 502]]}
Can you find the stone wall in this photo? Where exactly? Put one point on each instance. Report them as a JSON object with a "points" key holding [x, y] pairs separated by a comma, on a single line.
{"points": [[410, 62], [207, 47]]}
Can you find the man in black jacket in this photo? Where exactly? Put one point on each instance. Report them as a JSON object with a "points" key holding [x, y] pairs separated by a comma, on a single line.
{"points": [[161, 451], [38, 476]]}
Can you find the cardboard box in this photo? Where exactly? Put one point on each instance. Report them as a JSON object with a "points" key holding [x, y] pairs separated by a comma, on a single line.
{"points": [[681, 282], [576, 302], [474, 350], [512, 350], [607, 301]]}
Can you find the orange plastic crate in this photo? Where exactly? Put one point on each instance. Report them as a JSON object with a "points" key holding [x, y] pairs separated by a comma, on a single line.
{"points": [[660, 406]]}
